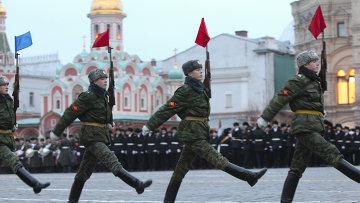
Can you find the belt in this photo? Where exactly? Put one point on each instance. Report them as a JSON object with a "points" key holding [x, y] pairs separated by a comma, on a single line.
{"points": [[224, 145], [163, 143], [118, 144], [150, 144], [65, 147], [81, 146], [275, 139], [130, 143], [95, 124], [347, 141], [356, 141], [139, 145], [193, 118], [174, 143], [339, 141], [309, 112], [5, 131], [258, 140]]}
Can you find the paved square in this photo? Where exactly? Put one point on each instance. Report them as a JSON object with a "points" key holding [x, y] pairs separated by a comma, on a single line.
{"points": [[212, 186]]}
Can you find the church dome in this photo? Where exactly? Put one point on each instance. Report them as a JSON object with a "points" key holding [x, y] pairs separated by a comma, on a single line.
{"points": [[175, 74], [106, 7], [2, 11]]}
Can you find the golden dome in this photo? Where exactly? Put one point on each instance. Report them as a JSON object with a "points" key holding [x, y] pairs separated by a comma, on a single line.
{"points": [[2, 11], [106, 7]]}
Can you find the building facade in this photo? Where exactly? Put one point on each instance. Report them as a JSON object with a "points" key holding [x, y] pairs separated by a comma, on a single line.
{"points": [[342, 37], [245, 74]]}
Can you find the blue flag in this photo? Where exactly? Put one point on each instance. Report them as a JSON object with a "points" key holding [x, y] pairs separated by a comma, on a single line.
{"points": [[23, 41]]}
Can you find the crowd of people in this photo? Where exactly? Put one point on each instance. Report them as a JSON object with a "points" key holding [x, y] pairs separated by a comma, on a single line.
{"points": [[245, 145]]}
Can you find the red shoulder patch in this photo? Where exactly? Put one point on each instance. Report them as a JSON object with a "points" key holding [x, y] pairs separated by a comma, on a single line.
{"points": [[172, 104], [285, 92], [75, 107]]}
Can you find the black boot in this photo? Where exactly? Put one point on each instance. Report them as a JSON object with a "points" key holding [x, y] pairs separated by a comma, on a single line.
{"points": [[244, 174], [349, 170], [75, 192], [289, 188], [25, 176], [132, 181], [172, 191]]}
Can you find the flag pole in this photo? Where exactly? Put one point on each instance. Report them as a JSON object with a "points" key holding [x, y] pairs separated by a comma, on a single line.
{"points": [[15, 93], [207, 80], [111, 88]]}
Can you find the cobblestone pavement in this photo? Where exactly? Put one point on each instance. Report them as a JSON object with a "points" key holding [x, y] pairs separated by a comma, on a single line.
{"points": [[212, 186]]}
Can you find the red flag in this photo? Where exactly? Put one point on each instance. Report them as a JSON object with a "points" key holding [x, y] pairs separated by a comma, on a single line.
{"points": [[202, 37], [102, 40], [317, 24]]}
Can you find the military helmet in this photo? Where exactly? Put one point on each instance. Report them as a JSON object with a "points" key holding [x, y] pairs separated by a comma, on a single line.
{"points": [[306, 57], [3, 81], [190, 66], [96, 74]]}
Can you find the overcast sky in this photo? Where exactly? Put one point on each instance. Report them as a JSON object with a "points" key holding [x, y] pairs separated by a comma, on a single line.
{"points": [[152, 29]]}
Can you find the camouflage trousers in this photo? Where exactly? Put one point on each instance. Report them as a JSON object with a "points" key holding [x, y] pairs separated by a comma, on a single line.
{"points": [[9, 158], [189, 153], [312, 143], [93, 152]]}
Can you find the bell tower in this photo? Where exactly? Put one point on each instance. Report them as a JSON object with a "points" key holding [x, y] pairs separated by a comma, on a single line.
{"points": [[107, 14]]}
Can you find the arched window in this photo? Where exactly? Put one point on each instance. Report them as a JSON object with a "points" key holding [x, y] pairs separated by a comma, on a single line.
{"points": [[346, 86], [158, 100], [127, 99], [143, 100]]}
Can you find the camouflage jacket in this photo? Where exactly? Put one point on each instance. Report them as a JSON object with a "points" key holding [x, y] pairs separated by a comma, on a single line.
{"points": [[302, 93], [7, 120], [89, 107], [185, 102]]}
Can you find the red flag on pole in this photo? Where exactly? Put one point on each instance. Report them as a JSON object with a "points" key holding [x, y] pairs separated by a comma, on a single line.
{"points": [[317, 24], [202, 37], [102, 40]]}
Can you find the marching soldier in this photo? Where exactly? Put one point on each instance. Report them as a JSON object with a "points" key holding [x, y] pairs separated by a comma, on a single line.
{"points": [[7, 127], [339, 134], [92, 108], [347, 152], [191, 104], [304, 94]]}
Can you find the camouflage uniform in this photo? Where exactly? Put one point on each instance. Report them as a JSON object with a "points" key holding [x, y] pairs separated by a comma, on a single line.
{"points": [[92, 108], [7, 142], [191, 103], [194, 134], [305, 96], [303, 93]]}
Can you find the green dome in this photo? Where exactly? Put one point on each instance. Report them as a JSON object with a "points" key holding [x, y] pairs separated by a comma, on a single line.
{"points": [[175, 74]]}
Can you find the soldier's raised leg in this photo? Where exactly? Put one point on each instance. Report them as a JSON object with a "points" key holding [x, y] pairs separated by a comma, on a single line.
{"points": [[108, 158], [212, 156], [14, 163]]}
